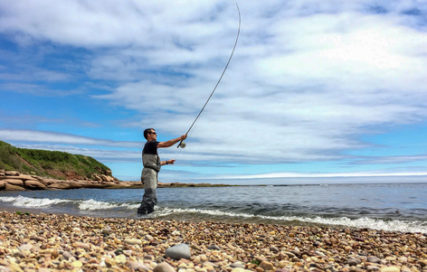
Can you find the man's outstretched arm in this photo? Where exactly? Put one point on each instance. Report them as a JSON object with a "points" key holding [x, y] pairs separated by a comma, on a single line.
{"points": [[167, 162], [172, 142]]}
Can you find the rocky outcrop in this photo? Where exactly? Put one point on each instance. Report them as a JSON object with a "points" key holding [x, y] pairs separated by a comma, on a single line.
{"points": [[15, 181]]}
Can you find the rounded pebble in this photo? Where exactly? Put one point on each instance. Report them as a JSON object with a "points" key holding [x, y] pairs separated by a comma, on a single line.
{"points": [[178, 252]]}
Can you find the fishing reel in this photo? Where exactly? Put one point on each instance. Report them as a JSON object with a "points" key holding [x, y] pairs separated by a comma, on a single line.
{"points": [[182, 144]]}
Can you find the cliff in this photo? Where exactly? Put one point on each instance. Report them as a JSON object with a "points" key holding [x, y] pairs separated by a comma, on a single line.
{"points": [[51, 164]]}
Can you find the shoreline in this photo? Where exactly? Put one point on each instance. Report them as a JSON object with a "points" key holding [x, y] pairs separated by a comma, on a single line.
{"points": [[16, 181], [180, 217], [45, 242]]}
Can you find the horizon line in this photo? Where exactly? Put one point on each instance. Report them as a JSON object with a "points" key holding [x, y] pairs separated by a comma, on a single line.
{"points": [[320, 175]]}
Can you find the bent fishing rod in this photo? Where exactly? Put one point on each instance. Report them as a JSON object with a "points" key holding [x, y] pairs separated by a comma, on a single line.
{"points": [[181, 143]]}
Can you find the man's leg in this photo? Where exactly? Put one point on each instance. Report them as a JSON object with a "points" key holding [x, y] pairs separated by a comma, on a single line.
{"points": [[149, 200]]}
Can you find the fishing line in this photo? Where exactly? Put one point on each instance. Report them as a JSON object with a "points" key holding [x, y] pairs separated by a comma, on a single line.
{"points": [[181, 143]]}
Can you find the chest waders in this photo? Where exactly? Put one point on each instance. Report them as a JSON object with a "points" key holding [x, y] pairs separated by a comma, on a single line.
{"points": [[149, 177]]}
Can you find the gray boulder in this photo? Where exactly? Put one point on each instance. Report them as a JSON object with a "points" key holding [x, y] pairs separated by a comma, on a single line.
{"points": [[180, 251]]}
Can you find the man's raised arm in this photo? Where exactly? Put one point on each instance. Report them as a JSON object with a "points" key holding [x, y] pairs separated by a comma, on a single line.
{"points": [[172, 142]]}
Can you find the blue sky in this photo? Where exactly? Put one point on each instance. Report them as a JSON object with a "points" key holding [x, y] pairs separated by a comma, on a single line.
{"points": [[315, 88]]}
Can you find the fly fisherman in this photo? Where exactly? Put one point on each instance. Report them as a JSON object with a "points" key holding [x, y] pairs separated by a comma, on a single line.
{"points": [[152, 164]]}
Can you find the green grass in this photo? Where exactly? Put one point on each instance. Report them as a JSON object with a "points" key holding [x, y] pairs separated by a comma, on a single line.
{"points": [[54, 164]]}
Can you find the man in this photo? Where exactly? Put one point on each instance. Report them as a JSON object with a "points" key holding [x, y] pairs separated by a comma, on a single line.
{"points": [[152, 164]]}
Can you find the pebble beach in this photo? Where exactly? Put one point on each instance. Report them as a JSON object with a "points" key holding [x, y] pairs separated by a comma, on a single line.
{"points": [[61, 242]]}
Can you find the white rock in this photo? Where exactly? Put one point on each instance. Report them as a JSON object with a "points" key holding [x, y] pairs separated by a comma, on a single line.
{"points": [[237, 265], [373, 259], [26, 247], [133, 241], [179, 251]]}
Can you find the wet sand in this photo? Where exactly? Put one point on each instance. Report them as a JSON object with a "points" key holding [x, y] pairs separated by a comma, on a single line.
{"points": [[50, 242]]}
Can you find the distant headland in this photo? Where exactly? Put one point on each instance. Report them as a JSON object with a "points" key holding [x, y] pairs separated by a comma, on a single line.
{"points": [[34, 169]]}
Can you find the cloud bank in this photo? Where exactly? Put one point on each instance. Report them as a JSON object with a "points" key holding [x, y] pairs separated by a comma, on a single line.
{"points": [[307, 81]]}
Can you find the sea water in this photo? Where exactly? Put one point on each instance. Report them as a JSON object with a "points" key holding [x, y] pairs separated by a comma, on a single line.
{"points": [[392, 207]]}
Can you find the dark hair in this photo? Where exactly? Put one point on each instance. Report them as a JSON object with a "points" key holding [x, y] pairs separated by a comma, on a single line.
{"points": [[146, 131]]}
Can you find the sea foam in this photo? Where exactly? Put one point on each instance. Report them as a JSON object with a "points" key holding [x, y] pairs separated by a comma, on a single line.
{"points": [[29, 202], [85, 205], [363, 222], [91, 205]]}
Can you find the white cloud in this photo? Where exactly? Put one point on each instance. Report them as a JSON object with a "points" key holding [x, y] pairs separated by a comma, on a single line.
{"points": [[393, 159], [49, 137], [322, 80], [106, 23], [328, 175]]}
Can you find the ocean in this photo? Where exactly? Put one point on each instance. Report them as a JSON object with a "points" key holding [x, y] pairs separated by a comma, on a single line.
{"points": [[389, 207]]}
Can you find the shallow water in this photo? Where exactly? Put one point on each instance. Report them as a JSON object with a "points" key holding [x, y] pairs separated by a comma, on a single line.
{"points": [[395, 207]]}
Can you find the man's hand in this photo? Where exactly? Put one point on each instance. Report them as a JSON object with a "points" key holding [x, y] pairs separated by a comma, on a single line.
{"points": [[169, 162], [172, 142]]}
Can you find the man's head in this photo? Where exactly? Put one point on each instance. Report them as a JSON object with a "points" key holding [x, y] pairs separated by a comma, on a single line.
{"points": [[150, 134]]}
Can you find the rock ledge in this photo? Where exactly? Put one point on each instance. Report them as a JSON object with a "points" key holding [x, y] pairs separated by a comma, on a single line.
{"points": [[15, 181]]}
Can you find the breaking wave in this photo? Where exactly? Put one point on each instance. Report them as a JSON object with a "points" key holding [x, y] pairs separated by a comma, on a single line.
{"points": [[92, 205], [28, 202], [362, 222], [85, 205]]}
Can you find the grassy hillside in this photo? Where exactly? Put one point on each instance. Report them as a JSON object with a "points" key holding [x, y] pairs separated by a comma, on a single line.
{"points": [[54, 164]]}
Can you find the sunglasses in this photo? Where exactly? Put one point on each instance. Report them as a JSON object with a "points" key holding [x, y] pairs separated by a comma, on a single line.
{"points": [[152, 133]]}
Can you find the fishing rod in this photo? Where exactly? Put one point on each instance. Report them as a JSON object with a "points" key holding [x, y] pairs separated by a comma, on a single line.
{"points": [[181, 143]]}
